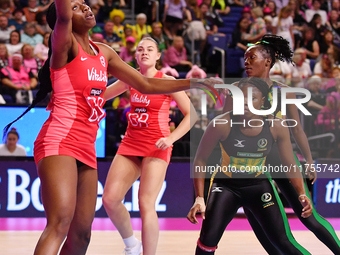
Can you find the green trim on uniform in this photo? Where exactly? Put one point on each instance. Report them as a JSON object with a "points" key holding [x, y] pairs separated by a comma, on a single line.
{"points": [[285, 220], [317, 216]]}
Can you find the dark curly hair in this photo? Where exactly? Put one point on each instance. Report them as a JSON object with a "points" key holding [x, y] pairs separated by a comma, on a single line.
{"points": [[275, 47]]}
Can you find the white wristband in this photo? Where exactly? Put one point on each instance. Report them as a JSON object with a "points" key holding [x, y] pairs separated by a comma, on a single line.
{"points": [[199, 201]]}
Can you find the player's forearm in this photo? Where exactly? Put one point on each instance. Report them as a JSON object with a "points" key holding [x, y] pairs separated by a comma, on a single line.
{"points": [[302, 141], [296, 179], [64, 10], [162, 86], [199, 177]]}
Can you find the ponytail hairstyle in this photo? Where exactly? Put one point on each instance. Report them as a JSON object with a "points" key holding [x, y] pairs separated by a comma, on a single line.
{"points": [[276, 48], [262, 85], [44, 73]]}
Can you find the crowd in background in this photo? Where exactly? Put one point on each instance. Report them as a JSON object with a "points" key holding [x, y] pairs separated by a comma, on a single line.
{"points": [[182, 28]]}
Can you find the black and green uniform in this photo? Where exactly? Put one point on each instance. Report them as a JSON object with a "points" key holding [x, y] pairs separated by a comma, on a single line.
{"points": [[248, 189], [322, 229]]}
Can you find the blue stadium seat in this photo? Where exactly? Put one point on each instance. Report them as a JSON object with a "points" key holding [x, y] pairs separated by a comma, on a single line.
{"points": [[235, 14], [230, 24], [229, 37], [218, 41], [230, 19], [226, 30], [236, 9], [8, 99], [182, 75], [312, 63], [233, 63], [34, 92]]}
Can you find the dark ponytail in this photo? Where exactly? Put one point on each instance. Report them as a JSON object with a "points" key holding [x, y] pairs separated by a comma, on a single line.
{"points": [[277, 48], [44, 73]]}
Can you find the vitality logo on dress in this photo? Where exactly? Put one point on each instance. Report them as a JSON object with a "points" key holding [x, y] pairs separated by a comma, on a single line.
{"points": [[93, 75], [142, 99]]}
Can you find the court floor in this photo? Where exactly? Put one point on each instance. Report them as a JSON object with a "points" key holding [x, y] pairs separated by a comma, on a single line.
{"points": [[18, 236]]}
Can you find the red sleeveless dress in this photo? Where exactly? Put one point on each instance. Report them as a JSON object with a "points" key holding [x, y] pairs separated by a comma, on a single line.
{"points": [[148, 121], [76, 109]]}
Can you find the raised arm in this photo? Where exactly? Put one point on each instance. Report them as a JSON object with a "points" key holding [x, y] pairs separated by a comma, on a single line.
{"points": [[294, 174], [213, 134], [62, 37]]}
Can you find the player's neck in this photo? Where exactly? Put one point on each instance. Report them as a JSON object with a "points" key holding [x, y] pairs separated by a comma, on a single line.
{"points": [[148, 71]]}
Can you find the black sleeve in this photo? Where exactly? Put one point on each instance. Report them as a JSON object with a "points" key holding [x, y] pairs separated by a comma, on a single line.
{"points": [[218, 20], [2, 75], [31, 75]]}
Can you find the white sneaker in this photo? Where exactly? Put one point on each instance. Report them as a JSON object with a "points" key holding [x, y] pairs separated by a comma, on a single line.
{"points": [[136, 250]]}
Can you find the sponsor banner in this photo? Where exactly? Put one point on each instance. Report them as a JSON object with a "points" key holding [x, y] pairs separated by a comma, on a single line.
{"points": [[327, 191], [20, 190]]}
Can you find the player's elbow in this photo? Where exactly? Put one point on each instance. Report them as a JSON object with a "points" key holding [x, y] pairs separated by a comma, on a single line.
{"points": [[297, 130]]}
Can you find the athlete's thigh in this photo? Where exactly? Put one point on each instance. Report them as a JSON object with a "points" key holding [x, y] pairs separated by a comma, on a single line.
{"points": [[86, 198], [58, 176], [289, 192], [222, 206], [124, 171], [152, 176], [265, 205]]}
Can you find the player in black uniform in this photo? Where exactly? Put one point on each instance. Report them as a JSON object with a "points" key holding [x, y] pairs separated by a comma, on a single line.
{"points": [[258, 60], [244, 150]]}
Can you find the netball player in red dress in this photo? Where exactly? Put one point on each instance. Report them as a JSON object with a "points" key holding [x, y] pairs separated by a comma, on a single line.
{"points": [[144, 152], [64, 150]]}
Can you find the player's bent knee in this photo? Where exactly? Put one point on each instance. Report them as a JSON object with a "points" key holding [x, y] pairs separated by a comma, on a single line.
{"points": [[110, 201]]}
